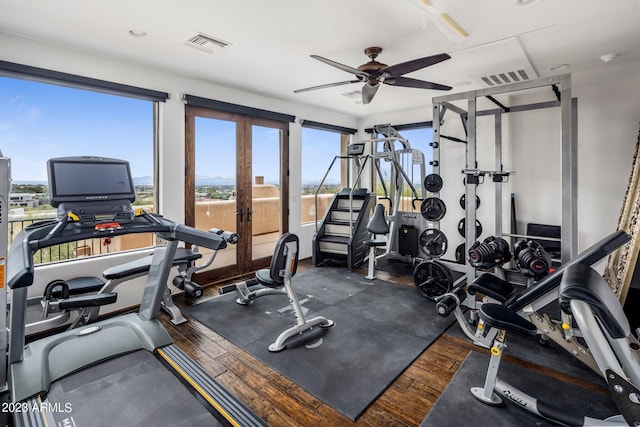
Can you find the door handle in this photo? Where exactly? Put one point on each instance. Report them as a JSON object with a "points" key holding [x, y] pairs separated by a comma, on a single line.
{"points": [[240, 213], [249, 212]]}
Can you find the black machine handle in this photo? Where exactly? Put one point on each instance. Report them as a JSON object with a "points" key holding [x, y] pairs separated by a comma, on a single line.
{"points": [[390, 201], [413, 202], [229, 236], [198, 237]]}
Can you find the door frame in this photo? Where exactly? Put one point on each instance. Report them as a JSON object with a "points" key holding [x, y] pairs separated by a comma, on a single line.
{"points": [[244, 263]]}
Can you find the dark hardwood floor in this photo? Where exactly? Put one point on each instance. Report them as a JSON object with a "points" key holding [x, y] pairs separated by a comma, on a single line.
{"points": [[281, 402]]}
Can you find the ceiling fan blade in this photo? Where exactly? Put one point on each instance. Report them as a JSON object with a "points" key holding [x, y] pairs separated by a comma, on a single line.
{"points": [[341, 66], [368, 92], [416, 64], [415, 83], [326, 86]]}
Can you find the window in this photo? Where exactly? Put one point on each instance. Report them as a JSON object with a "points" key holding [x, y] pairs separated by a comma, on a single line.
{"points": [[319, 149], [39, 121]]}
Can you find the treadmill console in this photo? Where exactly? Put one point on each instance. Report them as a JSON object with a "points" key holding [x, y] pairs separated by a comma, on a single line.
{"points": [[91, 190], [356, 149]]}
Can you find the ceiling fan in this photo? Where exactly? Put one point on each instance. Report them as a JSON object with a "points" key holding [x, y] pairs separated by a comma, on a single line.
{"points": [[373, 73]]}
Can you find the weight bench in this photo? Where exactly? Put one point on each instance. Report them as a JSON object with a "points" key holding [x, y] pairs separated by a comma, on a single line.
{"points": [[586, 296], [526, 302]]}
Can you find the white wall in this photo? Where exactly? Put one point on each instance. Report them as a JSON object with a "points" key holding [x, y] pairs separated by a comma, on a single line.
{"points": [[608, 117]]}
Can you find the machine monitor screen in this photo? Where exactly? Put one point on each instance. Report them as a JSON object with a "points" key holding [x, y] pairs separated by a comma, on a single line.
{"points": [[86, 179]]}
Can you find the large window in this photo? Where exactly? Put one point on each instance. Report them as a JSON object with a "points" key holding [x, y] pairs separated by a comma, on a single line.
{"points": [[39, 121], [319, 149]]}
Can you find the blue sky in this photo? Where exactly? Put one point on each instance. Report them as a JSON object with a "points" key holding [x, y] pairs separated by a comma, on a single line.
{"points": [[40, 121], [216, 150]]}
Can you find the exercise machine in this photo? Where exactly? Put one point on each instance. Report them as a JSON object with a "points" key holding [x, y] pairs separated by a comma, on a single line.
{"points": [[586, 296], [527, 302], [276, 280], [123, 370], [5, 188], [404, 219], [185, 262], [340, 234], [86, 294], [469, 107]]}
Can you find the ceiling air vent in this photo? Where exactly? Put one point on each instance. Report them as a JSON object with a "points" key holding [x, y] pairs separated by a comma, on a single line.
{"points": [[508, 77], [497, 63], [206, 43]]}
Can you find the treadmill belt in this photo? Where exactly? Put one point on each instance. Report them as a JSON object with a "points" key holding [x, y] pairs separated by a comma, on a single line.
{"points": [[135, 389]]}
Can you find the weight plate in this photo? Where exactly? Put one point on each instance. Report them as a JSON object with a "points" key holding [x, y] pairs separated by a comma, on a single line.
{"points": [[432, 279], [460, 253], [433, 182], [433, 242], [462, 226], [463, 200], [433, 209]]}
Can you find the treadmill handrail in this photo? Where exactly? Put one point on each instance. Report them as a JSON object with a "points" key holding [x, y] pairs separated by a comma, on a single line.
{"points": [[588, 257]]}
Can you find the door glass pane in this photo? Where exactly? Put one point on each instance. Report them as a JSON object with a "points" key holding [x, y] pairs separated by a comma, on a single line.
{"points": [[215, 181], [266, 185]]}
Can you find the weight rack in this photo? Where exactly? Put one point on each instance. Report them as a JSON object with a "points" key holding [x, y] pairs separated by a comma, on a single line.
{"points": [[561, 86]]}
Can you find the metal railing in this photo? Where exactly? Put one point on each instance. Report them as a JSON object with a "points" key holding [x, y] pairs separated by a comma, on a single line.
{"points": [[63, 252]]}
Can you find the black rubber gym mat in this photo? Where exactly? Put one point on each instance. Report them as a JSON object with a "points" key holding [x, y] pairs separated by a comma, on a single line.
{"points": [[131, 390], [380, 328], [394, 266], [456, 406]]}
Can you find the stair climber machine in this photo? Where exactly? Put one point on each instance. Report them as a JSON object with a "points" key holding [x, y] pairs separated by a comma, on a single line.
{"points": [[342, 232], [124, 370]]}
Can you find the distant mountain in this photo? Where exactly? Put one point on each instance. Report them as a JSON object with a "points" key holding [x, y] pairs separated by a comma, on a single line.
{"points": [[142, 180], [16, 182], [214, 180], [148, 180]]}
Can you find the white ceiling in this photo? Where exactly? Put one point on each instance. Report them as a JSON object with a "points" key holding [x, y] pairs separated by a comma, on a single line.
{"points": [[270, 41]]}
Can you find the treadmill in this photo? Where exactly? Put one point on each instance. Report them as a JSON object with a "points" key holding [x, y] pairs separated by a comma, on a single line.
{"points": [[120, 371]]}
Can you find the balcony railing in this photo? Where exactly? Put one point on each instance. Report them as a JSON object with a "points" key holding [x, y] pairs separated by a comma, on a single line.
{"points": [[67, 251]]}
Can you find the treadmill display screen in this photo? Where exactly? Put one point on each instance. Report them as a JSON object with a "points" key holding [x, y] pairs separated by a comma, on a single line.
{"points": [[86, 179]]}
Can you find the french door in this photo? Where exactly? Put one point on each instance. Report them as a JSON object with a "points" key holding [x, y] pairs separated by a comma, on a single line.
{"points": [[236, 180]]}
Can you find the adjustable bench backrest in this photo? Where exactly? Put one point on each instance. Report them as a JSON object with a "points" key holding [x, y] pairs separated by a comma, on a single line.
{"points": [[583, 283]]}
